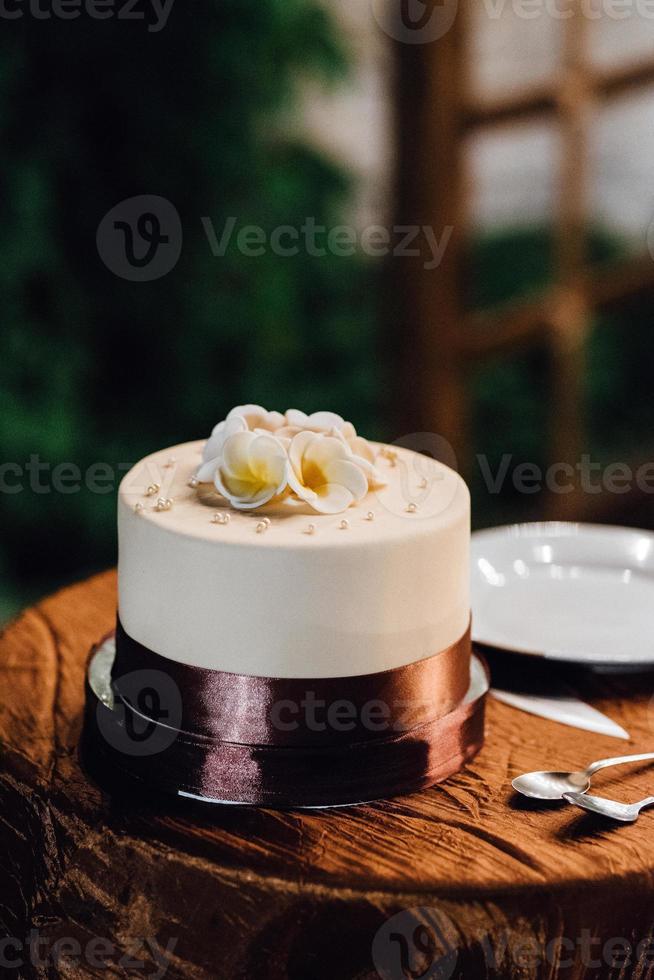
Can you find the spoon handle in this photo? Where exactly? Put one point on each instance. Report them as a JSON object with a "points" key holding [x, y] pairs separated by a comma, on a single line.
{"points": [[618, 761], [643, 803]]}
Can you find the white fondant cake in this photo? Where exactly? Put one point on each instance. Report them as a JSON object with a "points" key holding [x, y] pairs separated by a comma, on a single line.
{"points": [[283, 589]]}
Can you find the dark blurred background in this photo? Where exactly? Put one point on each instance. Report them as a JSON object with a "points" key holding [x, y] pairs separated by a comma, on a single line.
{"points": [[286, 110]]}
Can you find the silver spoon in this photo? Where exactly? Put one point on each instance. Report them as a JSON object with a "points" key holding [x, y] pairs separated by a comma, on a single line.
{"points": [[626, 812], [553, 785]]}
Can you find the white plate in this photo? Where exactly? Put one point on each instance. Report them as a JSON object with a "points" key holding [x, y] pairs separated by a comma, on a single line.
{"points": [[575, 592]]}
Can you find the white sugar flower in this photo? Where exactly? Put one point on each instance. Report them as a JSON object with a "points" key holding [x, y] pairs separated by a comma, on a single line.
{"points": [[296, 421], [327, 467], [213, 447], [243, 418], [330, 424], [317, 422], [358, 445], [364, 453], [251, 470], [257, 417], [324, 472]]}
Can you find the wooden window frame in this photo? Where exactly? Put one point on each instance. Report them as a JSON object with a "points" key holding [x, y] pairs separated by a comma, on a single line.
{"points": [[440, 339]]}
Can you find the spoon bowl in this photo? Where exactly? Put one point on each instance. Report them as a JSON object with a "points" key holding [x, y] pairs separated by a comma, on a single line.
{"points": [[551, 785]]}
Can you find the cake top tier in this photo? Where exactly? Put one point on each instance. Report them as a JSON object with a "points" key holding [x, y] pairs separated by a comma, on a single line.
{"points": [[292, 480]]}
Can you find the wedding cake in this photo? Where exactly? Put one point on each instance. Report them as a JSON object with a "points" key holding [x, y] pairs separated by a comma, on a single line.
{"points": [[287, 558], [288, 546]]}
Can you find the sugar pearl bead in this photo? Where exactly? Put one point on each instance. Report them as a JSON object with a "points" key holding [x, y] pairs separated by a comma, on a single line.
{"points": [[138, 508], [261, 527], [370, 516], [344, 525], [311, 529], [164, 503], [412, 508], [152, 489]]}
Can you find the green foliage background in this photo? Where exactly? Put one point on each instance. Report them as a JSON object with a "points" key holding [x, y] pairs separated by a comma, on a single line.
{"points": [[96, 368]]}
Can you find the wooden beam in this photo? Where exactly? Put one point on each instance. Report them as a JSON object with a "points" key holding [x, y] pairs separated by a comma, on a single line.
{"points": [[544, 99], [431, 390], [536, 100], [488, 333], [571, 315]]}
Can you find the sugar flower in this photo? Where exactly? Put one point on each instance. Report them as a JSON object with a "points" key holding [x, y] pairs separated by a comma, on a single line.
{"points": [[254, 456], [251, 470], [324, 472]]}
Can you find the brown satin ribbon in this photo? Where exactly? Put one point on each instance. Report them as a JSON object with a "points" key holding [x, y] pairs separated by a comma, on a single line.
{"points": [[314, 711], [310, 742]]}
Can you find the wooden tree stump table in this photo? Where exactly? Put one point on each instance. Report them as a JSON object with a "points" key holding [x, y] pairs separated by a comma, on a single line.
{"points": [[111, 882]]}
